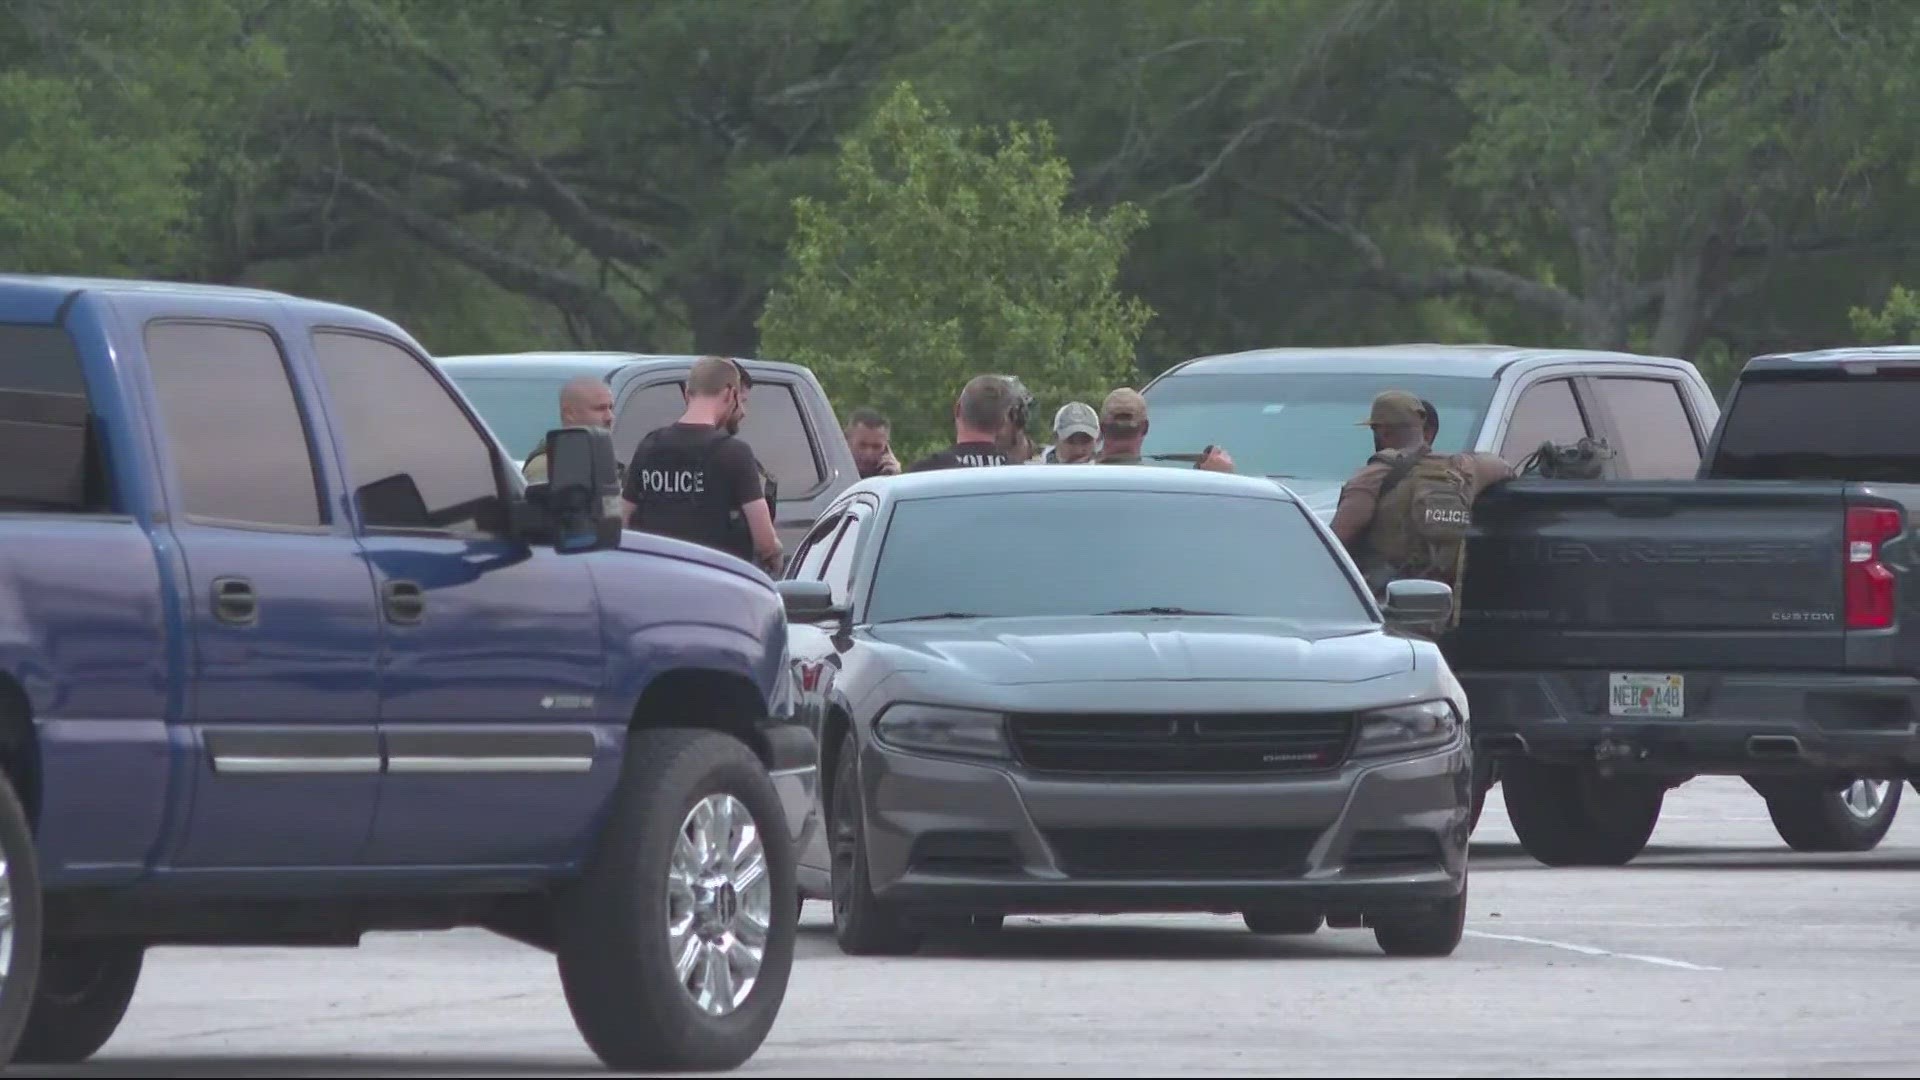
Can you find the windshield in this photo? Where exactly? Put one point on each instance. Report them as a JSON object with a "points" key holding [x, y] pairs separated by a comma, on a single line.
{"points": [[520, 410], [1094, 552], [1304, 424]]}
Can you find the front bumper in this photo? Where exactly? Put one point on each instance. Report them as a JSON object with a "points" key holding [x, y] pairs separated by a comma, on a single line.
{"points": [[1735, 723], [954, 835]]}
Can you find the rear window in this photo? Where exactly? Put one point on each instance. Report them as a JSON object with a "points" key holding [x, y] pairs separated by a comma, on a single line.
{"points": [[1846, 427], [46, 437]]}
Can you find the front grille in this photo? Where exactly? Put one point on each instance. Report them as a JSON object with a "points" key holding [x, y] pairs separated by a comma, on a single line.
{"points": [[1159, 853], [1197, 743]]}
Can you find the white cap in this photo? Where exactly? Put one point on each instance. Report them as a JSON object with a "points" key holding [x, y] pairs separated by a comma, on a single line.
{"points": [[1076, 418]]}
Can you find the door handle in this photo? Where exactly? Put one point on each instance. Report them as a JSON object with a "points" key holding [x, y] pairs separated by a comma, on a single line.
{"points": [[234, 602], [406, 603]]}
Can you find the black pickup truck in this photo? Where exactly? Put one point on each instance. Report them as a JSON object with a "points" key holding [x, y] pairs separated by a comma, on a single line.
{"points": [[1618, 638], [1730, 597]]}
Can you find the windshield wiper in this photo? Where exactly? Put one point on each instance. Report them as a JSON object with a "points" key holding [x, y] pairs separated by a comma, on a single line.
{"points": [[940, 615], [1163, 611]]}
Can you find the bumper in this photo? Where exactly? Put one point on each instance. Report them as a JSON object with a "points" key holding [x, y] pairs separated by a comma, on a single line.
{"points": [[989, 838], [1734, 723]]}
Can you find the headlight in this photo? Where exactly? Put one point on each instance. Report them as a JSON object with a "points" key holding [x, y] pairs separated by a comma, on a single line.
{"points": [[935, 729], [1405, 728]]}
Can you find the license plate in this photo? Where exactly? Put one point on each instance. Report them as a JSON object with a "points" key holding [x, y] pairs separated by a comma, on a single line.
{"points": [[1633, 694]]}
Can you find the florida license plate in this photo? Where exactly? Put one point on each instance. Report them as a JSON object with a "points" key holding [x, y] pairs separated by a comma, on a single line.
{"points": [[1637, 694]]}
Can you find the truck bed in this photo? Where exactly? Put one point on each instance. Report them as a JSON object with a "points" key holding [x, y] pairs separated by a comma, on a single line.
{"points": [[1686, 618]]}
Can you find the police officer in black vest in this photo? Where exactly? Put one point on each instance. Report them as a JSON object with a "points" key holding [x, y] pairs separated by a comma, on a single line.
{"points": [[696, 480]]}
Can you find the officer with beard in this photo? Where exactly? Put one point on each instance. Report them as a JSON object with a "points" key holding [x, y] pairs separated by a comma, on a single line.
{"points": [[696, 480]]}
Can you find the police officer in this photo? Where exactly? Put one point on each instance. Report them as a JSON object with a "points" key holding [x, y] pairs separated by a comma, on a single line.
{"points": [[1123, 431], [988, 407], [585, 401], [1380, 504], [696, 480]]}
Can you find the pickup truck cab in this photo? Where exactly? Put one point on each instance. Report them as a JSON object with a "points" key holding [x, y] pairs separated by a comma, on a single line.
{"points": [[291, 653], [1676, 617], [790, 422]]}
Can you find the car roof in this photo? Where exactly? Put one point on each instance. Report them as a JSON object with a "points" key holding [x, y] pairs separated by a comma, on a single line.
{"points": [[1018, 479], [566, 364], [1818, 358], [1426, 358]]}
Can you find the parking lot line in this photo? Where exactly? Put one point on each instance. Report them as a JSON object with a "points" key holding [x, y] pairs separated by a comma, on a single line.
{"points": [[1589, 950]]}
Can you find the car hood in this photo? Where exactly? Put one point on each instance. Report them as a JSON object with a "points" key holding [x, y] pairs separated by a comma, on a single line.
{"points": [[1149, 648], [641, 543]]}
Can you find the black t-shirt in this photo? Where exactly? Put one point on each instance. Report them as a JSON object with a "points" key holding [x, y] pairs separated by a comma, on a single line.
{"points": [[689, 481], [968, 455]]}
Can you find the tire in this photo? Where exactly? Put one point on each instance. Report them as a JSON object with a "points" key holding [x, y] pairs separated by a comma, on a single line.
{"points": [[1283, 920], [1811, 815], [1568, 815], [1433, 931], [863, 925], [83, 994], [20, 938], [614, 942]]}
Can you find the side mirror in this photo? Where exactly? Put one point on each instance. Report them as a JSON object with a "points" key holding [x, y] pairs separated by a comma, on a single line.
{"points": [[583, 489], [1417, 603], [808, 601]]}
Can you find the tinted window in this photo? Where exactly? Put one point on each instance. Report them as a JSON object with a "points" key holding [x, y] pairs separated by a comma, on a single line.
{"points": [[51, 460], [779, 438], [1243, 556], [773, 428], [520, 411], [839, 569], [1546, 412], [814, 550], [1655, 432], [413, 458], [235, 433], [1848, 427], [647, 408], [1299, 424]]}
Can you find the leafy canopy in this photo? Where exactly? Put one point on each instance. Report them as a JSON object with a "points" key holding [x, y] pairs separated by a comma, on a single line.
{"points": [[947, 252]]}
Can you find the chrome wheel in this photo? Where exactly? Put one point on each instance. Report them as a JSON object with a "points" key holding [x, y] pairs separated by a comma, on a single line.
{"points": [[1865, 798], [719, 904]]}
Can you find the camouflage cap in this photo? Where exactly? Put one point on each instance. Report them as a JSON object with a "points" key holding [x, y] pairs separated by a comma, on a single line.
{"points": [[1123, 412], [1393, 408]]}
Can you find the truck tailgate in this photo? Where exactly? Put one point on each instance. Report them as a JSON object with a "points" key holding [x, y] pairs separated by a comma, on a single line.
{"points": [[1656, 576]]}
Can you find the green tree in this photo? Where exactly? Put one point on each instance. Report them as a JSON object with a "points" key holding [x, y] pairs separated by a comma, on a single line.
{"points": [[947, 252], [1896, 323]]}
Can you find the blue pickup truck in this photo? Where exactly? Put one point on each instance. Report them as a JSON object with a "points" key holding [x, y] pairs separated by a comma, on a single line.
{"points": [[290, 652]]}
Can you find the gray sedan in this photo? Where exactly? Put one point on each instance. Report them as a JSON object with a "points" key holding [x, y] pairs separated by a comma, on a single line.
{"points": [[1118, 689]]}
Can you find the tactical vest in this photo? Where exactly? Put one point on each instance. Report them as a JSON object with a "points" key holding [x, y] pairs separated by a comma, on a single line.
{"points": [[1421, 520], [678, 495]]}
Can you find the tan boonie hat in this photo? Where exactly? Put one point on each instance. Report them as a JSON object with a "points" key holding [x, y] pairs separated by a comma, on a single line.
{"points": [[1123, 412], [1394, 407]]}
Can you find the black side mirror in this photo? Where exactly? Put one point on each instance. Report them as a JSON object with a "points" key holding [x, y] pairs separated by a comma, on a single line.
{"points": [[1418, 603], [583, 489], [808, 601]]}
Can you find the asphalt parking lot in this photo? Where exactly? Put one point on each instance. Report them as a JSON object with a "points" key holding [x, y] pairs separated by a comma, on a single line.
{"points": [[1720, 952]]}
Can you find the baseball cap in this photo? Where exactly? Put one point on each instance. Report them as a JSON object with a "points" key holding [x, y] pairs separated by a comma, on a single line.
{"points": [[1392, 407], [1124, 411], [1076, 418]]}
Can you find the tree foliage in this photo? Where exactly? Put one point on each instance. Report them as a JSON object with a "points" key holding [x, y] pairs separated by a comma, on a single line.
{"points": [[947, 252], [1708, 180]]}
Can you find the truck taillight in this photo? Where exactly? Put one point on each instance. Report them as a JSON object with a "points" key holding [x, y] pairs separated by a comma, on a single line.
{"points": [[1870, 585]]}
